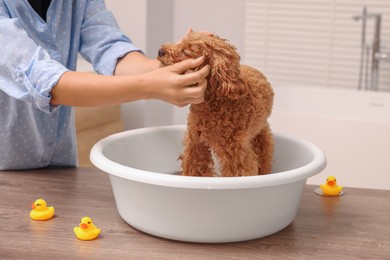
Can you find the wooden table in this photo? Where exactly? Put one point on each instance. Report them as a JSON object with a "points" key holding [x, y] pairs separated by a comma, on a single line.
{"points": [[356, 225]]}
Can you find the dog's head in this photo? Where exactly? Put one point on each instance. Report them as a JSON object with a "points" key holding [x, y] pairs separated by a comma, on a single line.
{"points": [[224, 78]]}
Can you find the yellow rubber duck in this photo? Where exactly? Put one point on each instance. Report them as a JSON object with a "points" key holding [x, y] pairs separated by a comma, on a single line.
{"points": [[330, 188], [40, 210], [86, 229]]}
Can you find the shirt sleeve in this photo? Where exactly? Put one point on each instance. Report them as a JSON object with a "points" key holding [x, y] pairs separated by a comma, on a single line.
{"points": [[102, 42], [27, 71]]}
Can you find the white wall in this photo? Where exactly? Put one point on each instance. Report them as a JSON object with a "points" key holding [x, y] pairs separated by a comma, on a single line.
{"points": [[223, 17], [131, 17]]}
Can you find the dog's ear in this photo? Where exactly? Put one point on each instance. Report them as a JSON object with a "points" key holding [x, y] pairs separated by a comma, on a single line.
{"points": [[225, 69]]}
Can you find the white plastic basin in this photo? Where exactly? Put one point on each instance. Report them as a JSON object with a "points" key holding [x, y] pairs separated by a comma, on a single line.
{"points": [[142, 166]]}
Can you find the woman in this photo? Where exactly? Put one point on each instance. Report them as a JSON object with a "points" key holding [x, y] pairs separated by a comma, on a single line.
{"points": [[40, 41]]}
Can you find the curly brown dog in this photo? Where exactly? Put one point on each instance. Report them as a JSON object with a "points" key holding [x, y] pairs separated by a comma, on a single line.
{"points": [[232, 121]]}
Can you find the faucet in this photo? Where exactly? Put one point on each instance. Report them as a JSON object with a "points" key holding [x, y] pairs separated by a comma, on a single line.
{"points": [[376, 54]]}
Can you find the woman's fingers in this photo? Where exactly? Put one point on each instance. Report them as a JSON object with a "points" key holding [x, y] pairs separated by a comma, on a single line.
{"points": [[195, 94], [194, 78], [187, 64], [193, 81], [191, 94], [185, 88]]}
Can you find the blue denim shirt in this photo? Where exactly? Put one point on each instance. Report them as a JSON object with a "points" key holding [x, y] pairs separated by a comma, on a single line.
{"points": [[33, 56]]}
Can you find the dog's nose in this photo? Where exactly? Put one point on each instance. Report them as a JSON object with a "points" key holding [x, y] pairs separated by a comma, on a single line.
{"points": [[161, 52]]}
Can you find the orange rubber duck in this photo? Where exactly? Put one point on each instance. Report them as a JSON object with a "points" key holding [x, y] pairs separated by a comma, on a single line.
{"points": [[86, 229], [40, 210]]}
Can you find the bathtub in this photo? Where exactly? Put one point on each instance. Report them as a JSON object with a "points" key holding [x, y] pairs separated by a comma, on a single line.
{"points": [[351, 126]]}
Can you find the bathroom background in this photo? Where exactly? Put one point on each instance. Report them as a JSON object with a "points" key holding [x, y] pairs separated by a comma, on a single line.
{"points": [[301, 46]]}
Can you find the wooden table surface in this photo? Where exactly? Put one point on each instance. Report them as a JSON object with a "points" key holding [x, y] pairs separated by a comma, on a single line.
{"points": [[353, 226]]}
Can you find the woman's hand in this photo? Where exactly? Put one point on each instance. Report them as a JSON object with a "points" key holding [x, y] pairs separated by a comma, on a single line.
{"points": [[171, 84]]}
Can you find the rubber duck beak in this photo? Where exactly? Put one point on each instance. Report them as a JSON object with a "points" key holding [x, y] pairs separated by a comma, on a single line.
{"points": [[331, 183], [33, 205], [83, 226]]}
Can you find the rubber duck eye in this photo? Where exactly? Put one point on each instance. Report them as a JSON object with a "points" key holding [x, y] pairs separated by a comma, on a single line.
{"points": [[89, 222], [38, 204]]}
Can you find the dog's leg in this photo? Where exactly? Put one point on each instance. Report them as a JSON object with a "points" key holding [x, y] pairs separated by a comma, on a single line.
{"points": [[197, 159], [263, 146], [237, 160]]}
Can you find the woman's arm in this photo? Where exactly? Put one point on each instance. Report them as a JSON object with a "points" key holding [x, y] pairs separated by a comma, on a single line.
{"points": [[135, 63], [167, 83]]}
